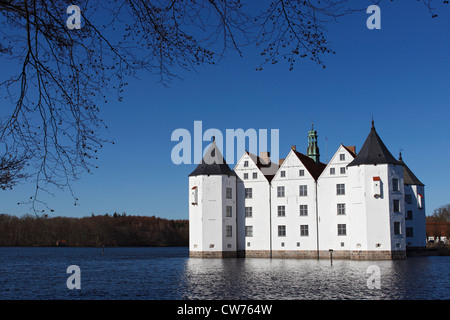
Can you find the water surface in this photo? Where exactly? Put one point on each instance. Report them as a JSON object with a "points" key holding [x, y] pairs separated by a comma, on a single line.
{"points": [[168, 273]]}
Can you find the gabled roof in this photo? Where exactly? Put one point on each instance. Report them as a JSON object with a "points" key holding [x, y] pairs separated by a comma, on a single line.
{"points": [[315, 169], [409, 178], [268, 169], [213, 163], [374, 151]]}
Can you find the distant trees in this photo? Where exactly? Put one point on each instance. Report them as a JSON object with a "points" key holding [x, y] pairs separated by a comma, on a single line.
{"points": [[441, 214], [116, 230]]}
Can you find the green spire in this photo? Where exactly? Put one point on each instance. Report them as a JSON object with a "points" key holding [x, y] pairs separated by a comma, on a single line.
{"points": [[313, 149]]}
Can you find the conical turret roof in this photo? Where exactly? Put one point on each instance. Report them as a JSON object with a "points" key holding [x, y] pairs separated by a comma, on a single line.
{"points": [[374, 151], [213, 163]]}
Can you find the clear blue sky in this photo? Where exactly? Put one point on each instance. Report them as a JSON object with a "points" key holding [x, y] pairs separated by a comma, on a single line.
{"points": [[400, 74]]}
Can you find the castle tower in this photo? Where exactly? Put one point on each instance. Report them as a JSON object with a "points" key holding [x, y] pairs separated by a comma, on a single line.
{"points": [[376, 200], [313, 149], [212, 207]]}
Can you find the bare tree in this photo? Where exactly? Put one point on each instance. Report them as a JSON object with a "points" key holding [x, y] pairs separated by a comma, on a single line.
{"points": [[50, 111]]}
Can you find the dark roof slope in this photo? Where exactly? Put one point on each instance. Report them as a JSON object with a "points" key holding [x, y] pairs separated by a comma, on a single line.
{"points": [[374, 151], [213, 163], [315, 169], [268, 169], [409, 178]]}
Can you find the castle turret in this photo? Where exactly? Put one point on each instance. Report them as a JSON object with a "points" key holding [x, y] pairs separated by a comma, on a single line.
{"points": [[212, 207], [313, 149], [377, 201]]}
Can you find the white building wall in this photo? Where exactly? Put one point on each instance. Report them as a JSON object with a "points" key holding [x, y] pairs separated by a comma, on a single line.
{"points": [[417, 221], [373, 219], [292, 220], [328, 199], [259, 221], [208, 221]]}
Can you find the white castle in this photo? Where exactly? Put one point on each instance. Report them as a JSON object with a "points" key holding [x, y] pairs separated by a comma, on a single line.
{"points": [[365, 205]]}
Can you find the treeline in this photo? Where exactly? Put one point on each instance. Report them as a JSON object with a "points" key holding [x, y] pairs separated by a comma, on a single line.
{"points": [[102, 230], [441, 214]]}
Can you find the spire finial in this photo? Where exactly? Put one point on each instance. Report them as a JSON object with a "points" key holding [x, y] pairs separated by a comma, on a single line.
{"points": [[373, 123], [400, 155]]}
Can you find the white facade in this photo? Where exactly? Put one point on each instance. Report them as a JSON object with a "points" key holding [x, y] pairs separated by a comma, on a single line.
{"points": [[253, 195], [334, 209], [357, 206], [294, 212]]}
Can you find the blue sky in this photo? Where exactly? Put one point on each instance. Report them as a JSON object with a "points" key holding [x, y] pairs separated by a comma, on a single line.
{"points": [[400, 74]]}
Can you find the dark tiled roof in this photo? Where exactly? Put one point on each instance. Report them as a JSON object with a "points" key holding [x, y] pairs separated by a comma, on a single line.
{"points": [[374, 151], [213, 163], [268, 169], [315, 169], [409, 177]]}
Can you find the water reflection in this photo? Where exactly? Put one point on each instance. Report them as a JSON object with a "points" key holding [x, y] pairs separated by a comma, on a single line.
{"points": [[167, 273], [313, 279]]}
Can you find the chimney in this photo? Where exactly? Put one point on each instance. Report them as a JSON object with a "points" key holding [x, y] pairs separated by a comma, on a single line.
{"points": [[352, 149], [265, 157], [293, 148]]}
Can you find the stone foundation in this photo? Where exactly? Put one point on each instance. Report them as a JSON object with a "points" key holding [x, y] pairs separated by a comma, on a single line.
{"points": [[304, 254], [212, 254]]}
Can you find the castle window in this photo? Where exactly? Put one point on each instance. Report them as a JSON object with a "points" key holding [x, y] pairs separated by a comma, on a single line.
{"points": [[229, 231], [249, 231], [255, 175], [395, 185], [342, 170], [280, 192], [396, 205], [245, 164], [245, 176], [248, 193], [408, 198], [229, 192], [194, 195], [303, 191], [408, 215], [341, 208], [283, 174], [342, 157], [409, 232], [340, 189], [332, 170], [342, 229], [229, 211], [303, 210], [397, 228], [304, 230], [301, 173], [248, 212], [281, 211], [282, 231]]}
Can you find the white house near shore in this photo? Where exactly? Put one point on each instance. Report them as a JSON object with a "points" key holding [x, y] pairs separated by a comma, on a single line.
{"points": [[364, 206]]}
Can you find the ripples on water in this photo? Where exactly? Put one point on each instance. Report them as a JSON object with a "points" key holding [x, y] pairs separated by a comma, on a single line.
{"points": [[167, 273]]}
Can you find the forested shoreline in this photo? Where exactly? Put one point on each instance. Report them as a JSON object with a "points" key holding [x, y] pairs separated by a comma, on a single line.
{"points": [[103, 230]]}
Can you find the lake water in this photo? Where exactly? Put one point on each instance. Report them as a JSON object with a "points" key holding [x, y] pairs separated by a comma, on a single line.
{"points": [[168, 273]]}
